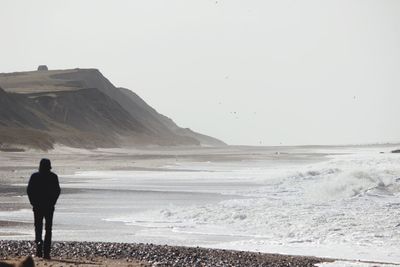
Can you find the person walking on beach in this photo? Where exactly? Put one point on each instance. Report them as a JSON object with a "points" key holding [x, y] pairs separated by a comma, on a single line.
{"points": [[43, 192]]}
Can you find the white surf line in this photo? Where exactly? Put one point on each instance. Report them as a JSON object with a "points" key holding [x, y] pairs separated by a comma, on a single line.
{"points": [[377, 262], [336, 261]]}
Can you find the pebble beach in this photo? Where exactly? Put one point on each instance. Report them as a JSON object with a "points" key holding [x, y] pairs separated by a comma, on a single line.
{"points": [[124, 254]]}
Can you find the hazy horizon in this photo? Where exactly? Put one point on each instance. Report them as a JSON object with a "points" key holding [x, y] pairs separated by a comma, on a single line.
{"points": [[248, 73]]}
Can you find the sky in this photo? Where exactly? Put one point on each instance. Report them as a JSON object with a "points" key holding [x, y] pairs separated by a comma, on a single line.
{"points": [[250, 72]]}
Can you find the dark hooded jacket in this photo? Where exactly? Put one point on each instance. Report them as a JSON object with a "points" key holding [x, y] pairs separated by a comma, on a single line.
{"points": [[43, 189]]}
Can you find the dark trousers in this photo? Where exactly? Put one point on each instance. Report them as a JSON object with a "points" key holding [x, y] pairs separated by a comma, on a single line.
{"points": [[39, 215]]}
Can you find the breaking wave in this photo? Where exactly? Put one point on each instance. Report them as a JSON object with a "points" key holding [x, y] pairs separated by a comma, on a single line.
{"points": [[352, 199]]}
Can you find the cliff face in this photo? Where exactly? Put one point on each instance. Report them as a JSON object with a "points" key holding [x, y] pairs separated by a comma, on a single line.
{"points": [[160, 121], [81, 108]]}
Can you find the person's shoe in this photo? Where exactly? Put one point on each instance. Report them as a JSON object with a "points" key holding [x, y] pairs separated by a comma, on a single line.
{"points": [[39, 249], [47, 256]]}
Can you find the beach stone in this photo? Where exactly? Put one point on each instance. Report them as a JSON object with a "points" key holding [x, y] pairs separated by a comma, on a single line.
{"points": [[157, 255]]}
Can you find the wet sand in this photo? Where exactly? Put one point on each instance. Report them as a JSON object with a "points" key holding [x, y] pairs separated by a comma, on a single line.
{"points": [[16, 167]]}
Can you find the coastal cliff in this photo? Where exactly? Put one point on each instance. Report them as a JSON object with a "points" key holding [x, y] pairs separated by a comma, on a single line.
{"points": [[82, 108]]}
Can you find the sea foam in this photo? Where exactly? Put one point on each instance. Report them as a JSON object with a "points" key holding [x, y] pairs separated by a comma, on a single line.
{"points": [[350, 199]]}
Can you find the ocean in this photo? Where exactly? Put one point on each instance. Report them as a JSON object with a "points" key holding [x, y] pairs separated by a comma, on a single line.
{"points": [[341, 202]]}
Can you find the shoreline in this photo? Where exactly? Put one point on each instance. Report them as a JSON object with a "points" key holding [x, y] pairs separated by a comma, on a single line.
{"points": [[153, 255], [16, 168]]}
